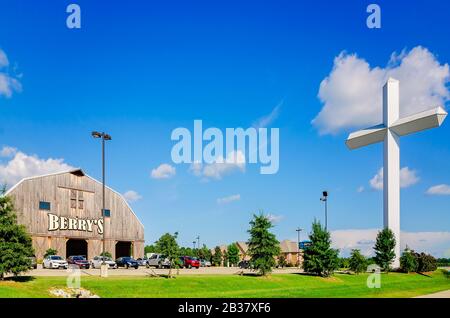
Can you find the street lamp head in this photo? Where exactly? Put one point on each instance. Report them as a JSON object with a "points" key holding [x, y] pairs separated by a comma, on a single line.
{"points": [[96, 134], [325, 193], [106, 137]]}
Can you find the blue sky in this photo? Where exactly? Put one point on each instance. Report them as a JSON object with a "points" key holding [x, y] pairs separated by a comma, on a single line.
{"points": [[140, 69]]}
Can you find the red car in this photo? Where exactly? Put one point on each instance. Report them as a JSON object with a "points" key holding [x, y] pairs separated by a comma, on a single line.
{"points": [[190, 262], [80, 261]]}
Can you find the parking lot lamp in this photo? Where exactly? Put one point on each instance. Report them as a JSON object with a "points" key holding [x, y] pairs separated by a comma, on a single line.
{"points": [[104, 137]]}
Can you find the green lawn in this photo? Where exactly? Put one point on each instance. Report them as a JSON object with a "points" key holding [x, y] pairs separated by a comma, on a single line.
{"points": [[277, 285]]}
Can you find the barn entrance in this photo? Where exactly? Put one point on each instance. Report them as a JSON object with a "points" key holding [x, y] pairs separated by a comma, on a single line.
{"points": [[123, 249], [76, 247]]}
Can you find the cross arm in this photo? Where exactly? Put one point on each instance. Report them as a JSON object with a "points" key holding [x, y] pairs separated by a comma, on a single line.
{"points": [[425, 120], [366, 137]]}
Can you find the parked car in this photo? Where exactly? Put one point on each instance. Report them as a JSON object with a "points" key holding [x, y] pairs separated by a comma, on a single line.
{"points": [[97, 262], [244, 264], [127, 262], [55, 261], [141, 261], [33, 262], [158, 260], [205, 263], [190, 262], [79, 261]]}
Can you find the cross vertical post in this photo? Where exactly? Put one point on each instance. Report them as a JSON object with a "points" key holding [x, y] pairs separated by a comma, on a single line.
{"points": [[391, 161]]}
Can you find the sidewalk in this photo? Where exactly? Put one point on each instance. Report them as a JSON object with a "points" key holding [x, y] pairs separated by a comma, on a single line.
{"points": [[442, 294]]}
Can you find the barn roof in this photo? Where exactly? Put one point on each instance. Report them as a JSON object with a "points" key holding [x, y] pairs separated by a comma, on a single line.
{"points": [[78, 172]]}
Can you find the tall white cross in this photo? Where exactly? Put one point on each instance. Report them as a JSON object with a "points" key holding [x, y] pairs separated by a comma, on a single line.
{"points": [[390, 132]]}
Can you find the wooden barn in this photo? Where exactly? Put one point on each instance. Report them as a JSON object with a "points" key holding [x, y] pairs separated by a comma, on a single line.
{"points": [[64, 211]]}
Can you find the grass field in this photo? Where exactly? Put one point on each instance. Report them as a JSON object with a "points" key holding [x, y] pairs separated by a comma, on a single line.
{"points": [[277, 285]]}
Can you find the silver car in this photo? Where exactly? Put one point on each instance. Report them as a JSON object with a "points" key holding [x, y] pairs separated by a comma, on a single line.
{"points": [[97, 262], [158, 260]]}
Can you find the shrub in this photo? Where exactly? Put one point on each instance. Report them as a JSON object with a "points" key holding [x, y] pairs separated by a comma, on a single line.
{"points": [[106, 254], [282, 261], [50, 251], [426, 263], [408, 261], [357, 263]]}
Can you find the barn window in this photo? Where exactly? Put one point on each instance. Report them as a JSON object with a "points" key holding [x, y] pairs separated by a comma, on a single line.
{"points": [[43, 205], [106, 213], [73, 199], [80, 200]]}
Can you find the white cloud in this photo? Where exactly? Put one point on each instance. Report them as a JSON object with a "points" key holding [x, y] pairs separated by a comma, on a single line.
{"points": [[360, 189], [8, 83], [3, 59], [440, 189], [408, 177], [163, 171], [22, 165], [268, 119], [235, 161], [229, 199], [352, 93], [132, 196], [274, 218], [8, 151], [435, 243]]}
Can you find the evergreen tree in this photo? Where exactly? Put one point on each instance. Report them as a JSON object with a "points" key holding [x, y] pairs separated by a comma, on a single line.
{"points": [[15, 243], [357, 262], [217, 256], [384, 249], [233, 254], [320, 258], [263, 246], [168, 246], [204, 253], [408, 261]]}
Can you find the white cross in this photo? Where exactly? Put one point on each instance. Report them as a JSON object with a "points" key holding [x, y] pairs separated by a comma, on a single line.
{"points": [[390, 132]]}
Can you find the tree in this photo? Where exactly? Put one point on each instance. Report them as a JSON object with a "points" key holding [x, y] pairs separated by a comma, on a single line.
{"points": [[204, 253], [15, 243], [168, 246], [408, 261], [263, 246], [384, 249], [150, 249], [319, 258], [357, 262], [233, 254], [50, 251], [217, 256]]}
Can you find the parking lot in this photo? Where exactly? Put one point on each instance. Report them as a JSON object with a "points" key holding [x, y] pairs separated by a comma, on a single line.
{"points": [[142, 271]]}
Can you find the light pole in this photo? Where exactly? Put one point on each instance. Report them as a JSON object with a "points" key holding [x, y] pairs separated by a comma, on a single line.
{"points": [[324, 198], [298, 245], [193, 244], [198, 241], [104, 137]]}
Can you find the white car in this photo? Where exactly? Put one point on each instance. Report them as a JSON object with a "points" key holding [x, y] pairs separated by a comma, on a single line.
{"points": [[97, 262], [54, 261]]}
